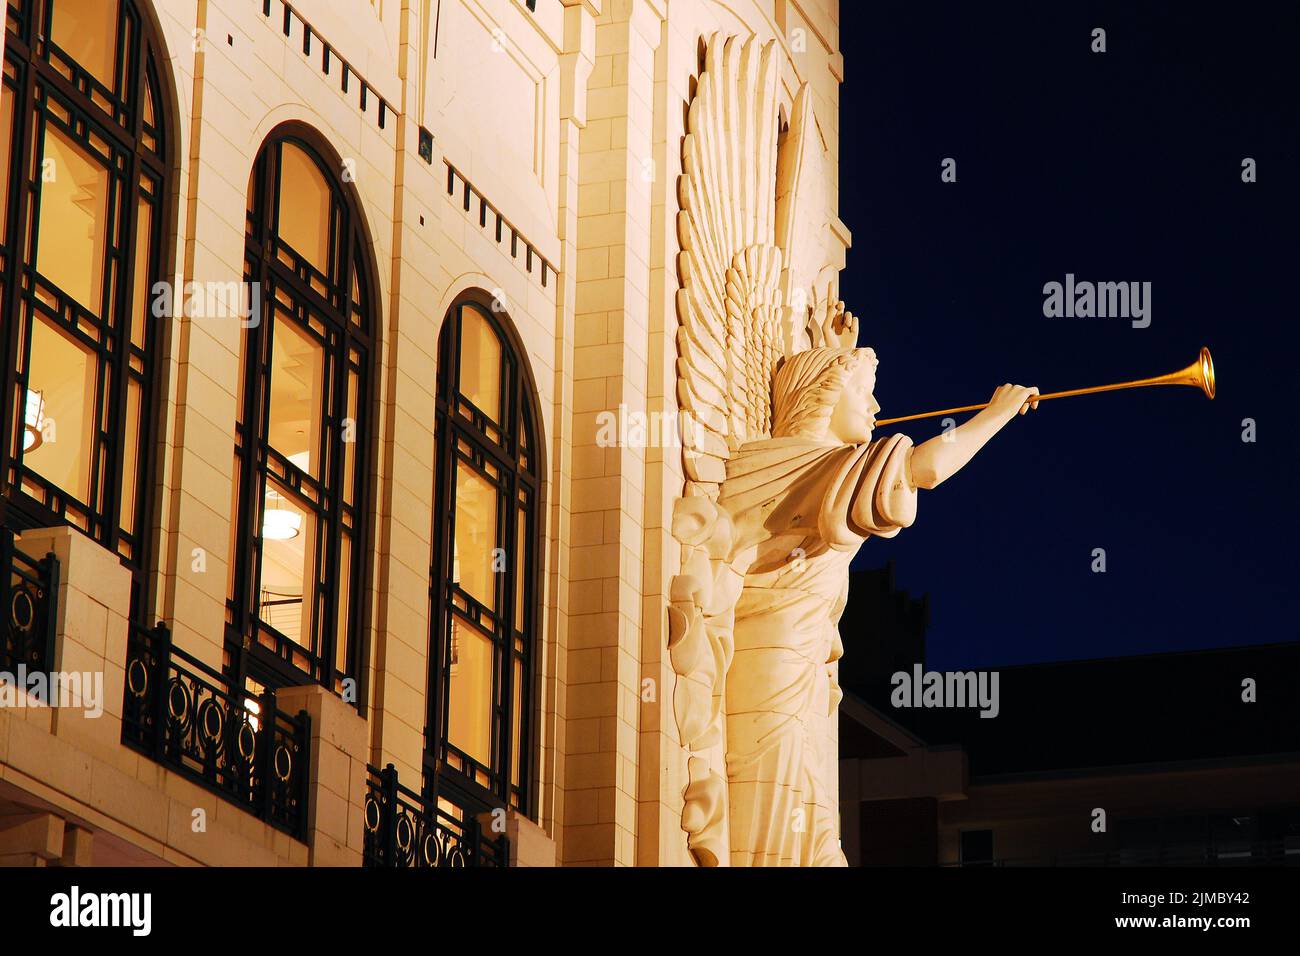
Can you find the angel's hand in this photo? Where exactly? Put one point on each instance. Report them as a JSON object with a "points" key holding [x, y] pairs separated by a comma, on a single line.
{"points": [[834, 327], [845, 325], [1010, 400]]}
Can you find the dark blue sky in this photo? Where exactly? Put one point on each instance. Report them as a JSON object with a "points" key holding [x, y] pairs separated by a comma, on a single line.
{"points": [[1121, 166]]}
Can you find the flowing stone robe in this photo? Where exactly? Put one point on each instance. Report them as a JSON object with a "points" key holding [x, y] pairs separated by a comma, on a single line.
{"points": [[800, 510]]}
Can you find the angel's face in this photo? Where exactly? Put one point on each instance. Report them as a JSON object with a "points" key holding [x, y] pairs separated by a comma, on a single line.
{"points": [[855, 413]]}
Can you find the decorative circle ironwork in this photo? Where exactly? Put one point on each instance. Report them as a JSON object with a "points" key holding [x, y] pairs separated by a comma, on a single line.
{"points": [[282, 763], [212, 720], [456, 857], [405, 833], [372, 814], [432, 849], [137, 678], [178, 700], [22, 610], [245, 741]]}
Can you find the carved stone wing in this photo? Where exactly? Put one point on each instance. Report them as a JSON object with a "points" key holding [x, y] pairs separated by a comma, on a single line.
{"points": [[730, 267]]}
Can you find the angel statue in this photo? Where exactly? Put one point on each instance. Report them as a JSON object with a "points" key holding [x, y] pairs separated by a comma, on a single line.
{"points": [[783, 481]]}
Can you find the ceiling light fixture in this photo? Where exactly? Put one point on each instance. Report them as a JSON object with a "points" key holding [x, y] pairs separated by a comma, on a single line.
{"points": [[279, 524], [33, 420]]}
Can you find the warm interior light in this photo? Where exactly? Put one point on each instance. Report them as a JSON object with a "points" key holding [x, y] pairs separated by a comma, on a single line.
{"points": [[33, 419], [280, 524]]}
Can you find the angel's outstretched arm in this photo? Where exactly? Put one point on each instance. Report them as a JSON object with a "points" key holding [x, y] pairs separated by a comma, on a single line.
{"points": [[940, 458]]}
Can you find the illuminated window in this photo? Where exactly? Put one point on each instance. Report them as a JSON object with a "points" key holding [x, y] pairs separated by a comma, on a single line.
{"points": [[484, 570], [84, 173], [293, 610]]}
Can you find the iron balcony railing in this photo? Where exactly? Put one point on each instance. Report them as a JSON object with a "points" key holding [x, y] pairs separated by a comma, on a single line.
{"points": [[404, 829], [1283, 852], [185, 715], [31, 589]]}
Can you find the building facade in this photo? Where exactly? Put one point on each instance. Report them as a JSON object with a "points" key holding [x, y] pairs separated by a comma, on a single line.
{"points": [[317, 316]]}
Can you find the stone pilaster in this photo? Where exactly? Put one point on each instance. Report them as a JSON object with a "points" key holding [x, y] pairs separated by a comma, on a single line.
{"points": [[336, 777], [611, 344]]}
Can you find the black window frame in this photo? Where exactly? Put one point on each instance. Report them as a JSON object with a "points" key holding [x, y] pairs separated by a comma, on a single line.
{"points": [[340, 312], [45, 82], [513, 447]]}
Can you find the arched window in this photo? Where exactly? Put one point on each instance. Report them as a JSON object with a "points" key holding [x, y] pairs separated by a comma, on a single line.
{"points": [[486, 532], [298, 546], [84, 210]]}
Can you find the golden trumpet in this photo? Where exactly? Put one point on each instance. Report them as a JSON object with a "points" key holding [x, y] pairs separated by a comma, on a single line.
{"points": [[1200, 374]]}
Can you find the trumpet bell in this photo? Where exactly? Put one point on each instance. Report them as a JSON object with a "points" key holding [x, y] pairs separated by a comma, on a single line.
{"points": [[1206, 365], [1200, 374]]}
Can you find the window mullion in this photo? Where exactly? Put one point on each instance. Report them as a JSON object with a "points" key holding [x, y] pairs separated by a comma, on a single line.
{"points": [[261, 395], [20, 214], [335, 397], [440, 619], [118, 332], [507, 626]]}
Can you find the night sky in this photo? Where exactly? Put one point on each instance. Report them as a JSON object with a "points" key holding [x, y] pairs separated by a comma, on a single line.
{"points": [[1115, 166]]}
